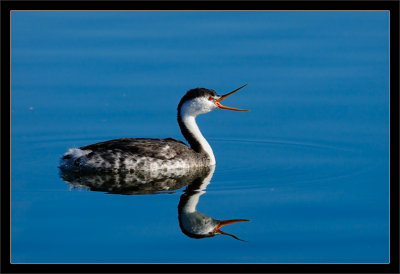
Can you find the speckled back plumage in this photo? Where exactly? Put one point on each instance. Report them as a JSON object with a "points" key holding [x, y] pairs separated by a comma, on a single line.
{"points": [[133, 154]]}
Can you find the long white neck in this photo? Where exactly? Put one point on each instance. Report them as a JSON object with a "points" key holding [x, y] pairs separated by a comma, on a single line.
{"points": [[191, 125], [190, 130]]}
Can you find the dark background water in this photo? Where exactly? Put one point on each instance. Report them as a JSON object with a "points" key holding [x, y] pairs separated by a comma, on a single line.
{"points": [[308, 165]]}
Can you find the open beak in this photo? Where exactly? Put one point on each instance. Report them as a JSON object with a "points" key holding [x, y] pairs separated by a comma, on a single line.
{"points": [[228, 222], [227, 95]]}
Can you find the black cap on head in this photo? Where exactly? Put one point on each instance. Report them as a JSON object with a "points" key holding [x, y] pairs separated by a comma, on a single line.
{"points": [[196, 92]]}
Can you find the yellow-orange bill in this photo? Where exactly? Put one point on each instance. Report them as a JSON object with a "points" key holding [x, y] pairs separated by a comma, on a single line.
{"points": [[226, 233], [227, 95], [230, 108], [228, 222], [230, 93]]}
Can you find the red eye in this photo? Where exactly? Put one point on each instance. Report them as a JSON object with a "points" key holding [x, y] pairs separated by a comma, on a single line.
{"points": [[210, 98]]}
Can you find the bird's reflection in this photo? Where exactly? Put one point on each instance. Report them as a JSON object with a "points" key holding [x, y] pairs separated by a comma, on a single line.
{"points": [[192, 223], [132, 183]]}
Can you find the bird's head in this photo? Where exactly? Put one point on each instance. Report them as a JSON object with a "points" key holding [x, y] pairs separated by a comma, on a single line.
{"points": [[201, 100], [199, 225], [217, 229]]}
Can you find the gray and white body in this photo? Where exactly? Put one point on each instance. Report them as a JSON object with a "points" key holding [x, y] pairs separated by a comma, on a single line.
{"points": [[127, 154]]}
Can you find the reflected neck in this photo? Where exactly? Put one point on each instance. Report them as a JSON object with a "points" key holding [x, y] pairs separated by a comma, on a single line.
{"points": [[195, 189]]}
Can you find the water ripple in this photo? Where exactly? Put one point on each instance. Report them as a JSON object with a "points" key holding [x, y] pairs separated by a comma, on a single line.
{"points": [[280, 142]]}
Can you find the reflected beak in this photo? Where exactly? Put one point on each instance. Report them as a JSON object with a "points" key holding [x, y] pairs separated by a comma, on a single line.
{"points": [[228, 222], [227, 95]]}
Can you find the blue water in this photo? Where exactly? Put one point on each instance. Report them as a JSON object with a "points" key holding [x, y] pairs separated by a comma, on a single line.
{"points": [[308, 165]]}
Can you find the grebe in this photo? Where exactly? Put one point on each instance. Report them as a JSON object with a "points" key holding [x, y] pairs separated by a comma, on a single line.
{"points": [[132, 154], [196, 224]]}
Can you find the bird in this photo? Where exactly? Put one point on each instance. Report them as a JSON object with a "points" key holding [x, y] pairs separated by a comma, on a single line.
{"points": [[195, 224], [136, 154]]}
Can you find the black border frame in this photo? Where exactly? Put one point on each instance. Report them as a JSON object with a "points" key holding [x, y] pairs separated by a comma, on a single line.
{"points": [[392, 6]]}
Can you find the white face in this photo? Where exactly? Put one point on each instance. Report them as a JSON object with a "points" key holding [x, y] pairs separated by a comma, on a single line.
{"points": [[199, 223], [199, 105]]}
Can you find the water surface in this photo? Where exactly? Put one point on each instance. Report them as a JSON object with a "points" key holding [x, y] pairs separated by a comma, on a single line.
{"points": [[308, 166]]}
